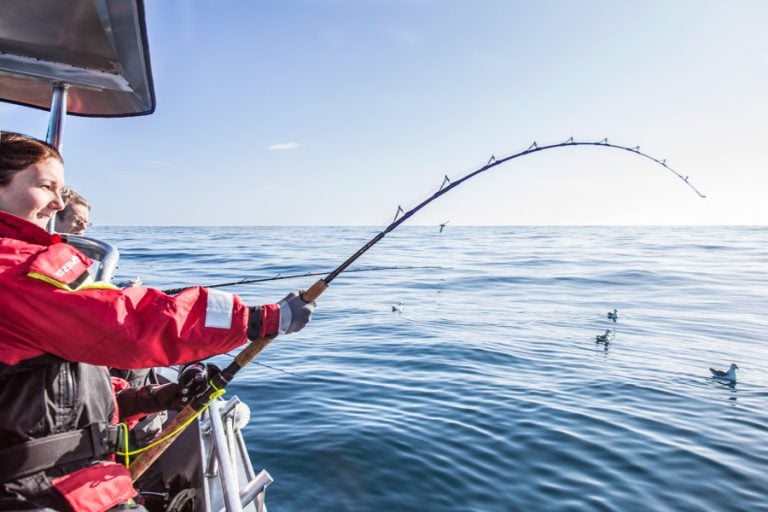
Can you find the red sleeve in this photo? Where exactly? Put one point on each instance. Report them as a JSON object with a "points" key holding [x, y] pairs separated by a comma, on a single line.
{"points": [[132, 328], [119, 384]]}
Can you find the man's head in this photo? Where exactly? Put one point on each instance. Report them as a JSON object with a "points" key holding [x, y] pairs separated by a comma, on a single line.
{"points": [[75, 218]]}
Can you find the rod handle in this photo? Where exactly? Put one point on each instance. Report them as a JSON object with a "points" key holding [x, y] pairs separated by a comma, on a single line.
{"points": [[145, 460], [314, 291], [251, 351]]}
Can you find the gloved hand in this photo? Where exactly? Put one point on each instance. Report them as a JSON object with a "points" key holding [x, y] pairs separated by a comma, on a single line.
{"points": [[167, 396], [294, 313], [193, 379], [289, 315], [149, 399]]}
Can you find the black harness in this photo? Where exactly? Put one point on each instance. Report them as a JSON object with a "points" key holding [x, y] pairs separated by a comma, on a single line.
{"points": [[89, 444]]}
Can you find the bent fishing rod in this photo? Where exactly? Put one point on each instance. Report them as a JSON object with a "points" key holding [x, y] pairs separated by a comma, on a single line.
{"points": [[222, 379]]}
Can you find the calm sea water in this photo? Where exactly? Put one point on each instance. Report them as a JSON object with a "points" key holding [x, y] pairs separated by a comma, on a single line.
{"points": [[488, 391]]}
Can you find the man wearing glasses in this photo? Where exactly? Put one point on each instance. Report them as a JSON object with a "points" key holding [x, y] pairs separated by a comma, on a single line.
{"points": [[76, 215]]}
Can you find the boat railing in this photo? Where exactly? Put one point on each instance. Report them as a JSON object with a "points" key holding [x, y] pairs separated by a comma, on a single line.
{"points": [[229, 473], [104, 253]]}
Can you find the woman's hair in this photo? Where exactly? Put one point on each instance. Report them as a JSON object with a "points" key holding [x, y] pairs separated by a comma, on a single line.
{"points": [[17, 152], [71, 197]]}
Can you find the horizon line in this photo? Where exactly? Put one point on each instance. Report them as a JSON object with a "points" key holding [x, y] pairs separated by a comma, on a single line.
{"points": [[416, 225]]}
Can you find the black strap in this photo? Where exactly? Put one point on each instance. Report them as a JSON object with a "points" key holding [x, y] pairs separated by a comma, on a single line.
{"points": [[90, 443]]}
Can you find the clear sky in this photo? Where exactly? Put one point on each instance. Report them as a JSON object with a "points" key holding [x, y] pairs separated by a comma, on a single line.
{"points": [[334, 112]]}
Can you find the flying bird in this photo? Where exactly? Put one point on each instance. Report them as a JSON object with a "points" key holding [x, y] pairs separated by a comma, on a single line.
{"points": [[603, 338], [397, 307], [442, 226], [613, 315], [730, 375]]}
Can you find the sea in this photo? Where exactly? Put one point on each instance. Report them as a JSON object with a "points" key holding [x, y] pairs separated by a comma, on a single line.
{"points": [[469, 378]]}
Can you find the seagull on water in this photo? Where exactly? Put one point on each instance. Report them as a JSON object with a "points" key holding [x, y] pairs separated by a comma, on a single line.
{"points": [[603, 338], [613, 315], [730, 375]]}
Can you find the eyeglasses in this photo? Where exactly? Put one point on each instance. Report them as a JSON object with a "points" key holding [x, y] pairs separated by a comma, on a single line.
{"points": [[81, 222]]}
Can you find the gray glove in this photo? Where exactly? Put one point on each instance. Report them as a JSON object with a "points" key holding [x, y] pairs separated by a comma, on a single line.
{"points": [[294, 313]]}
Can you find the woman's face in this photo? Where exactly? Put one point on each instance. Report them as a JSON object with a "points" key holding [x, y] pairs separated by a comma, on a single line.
{"points": [[34, 193]]}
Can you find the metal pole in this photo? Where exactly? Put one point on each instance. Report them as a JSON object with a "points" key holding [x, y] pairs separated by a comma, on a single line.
{"points": [[231, 492], [58, 114], [56, 126], [255, 490]]}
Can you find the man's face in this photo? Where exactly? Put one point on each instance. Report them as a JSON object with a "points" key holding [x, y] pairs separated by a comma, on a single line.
{"points": [[74, 219]]}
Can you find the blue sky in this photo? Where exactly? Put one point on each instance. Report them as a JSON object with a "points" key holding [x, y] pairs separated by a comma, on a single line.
{"points": [[334, 112]]}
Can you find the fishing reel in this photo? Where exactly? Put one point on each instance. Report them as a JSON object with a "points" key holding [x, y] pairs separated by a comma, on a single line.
{"points": [[193, 379]]}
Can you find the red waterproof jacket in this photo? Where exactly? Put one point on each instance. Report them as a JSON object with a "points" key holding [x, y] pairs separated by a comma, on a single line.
{"points": [[47, 308], [58, 331]]}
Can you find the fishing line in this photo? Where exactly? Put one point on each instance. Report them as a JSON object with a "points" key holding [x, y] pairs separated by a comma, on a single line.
{"points": [[245, 356], [174, 291], [231, 356], [265, 365], [279, 370]]}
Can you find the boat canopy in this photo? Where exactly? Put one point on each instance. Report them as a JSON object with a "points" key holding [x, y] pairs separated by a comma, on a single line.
{"points": [[96, 48]]}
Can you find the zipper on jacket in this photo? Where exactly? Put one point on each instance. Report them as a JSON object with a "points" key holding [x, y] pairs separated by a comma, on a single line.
{"points": [[67, 395]]}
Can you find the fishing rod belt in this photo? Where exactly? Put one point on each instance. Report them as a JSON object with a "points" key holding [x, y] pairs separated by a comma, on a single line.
{"points": [[91, 443]]}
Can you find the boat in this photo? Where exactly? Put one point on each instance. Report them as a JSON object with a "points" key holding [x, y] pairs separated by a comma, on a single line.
{"points": [[90, 58]]}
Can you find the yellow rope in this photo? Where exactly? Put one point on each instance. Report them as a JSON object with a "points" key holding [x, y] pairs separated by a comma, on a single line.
{"points": [[124, 429], [214, 396]]}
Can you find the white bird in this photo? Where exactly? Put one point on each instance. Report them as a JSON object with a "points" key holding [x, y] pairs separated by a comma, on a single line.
{"points": [[603, 338], [730, 375], [613, 315], [398, 307]]}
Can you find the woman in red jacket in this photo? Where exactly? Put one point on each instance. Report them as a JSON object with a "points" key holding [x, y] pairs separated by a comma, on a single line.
{"points": [[59, 330]]}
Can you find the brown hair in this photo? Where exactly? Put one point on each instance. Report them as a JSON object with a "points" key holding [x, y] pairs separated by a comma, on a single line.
{"points": [[17, 152]]}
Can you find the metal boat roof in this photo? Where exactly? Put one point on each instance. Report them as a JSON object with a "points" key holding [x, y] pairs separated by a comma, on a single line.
{"points": [[98, 47]]}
